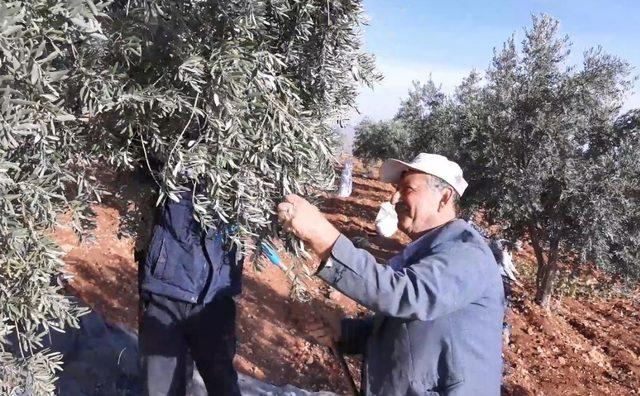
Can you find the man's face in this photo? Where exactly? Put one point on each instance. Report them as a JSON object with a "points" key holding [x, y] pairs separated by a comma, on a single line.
{"points": [[416, 203]]}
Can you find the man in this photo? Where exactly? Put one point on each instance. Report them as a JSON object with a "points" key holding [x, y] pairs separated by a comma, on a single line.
{"points": [[438, 305], [188, 282]]}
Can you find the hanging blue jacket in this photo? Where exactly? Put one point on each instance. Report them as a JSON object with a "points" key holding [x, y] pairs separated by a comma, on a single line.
{"points": [[186, 264]]}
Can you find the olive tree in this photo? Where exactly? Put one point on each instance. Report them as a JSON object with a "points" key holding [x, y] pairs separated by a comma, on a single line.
{"points": [[41, 175], [232, 100], [553, 164], [381, 140], [415, 127], [426, 114]]}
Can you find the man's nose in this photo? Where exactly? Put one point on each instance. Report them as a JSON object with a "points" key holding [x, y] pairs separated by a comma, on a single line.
{"points": [[395, 198]]}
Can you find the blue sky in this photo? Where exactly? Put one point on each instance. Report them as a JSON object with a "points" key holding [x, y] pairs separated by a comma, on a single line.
{"points": [[414, 38]]}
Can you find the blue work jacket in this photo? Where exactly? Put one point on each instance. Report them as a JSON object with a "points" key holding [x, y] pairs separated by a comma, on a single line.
{"points": [[186, 264], [438, 307]]}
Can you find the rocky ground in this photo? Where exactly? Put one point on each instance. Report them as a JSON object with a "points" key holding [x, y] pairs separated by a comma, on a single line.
{"points": [[101, 359], [584, 345]]}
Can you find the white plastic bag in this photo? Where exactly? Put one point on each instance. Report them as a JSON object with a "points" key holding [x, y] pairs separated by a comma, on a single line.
{"points": [[387, 220], [346, 180]]}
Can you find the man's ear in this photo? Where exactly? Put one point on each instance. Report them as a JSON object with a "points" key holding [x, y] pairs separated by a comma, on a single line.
{"points": [[447, 196]]}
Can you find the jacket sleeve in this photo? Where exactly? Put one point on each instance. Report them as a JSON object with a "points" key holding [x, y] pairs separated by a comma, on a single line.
{"points": [[354, 335], [453, 275]]}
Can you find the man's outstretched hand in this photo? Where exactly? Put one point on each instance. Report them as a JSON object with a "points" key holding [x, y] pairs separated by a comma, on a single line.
{"points": [[306, 222]]}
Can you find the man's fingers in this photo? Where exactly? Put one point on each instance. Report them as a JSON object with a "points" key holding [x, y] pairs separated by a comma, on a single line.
{"points": [[291, 198], [294, 199], [285, 211], [284, 206], [287, 227]]}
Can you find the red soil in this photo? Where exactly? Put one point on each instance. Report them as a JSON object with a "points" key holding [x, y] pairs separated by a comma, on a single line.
{"points": [[585, 346]]}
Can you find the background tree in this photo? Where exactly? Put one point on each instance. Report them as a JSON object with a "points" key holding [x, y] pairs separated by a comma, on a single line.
{"points": [[381, 140], [426, 113], [465, 123], [623, 247], [422, 101], [553, 164], [448, 125], [417, 125], [234, 101]]}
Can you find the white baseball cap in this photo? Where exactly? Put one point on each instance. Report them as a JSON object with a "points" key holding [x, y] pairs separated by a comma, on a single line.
{"points": [[433, 164]]}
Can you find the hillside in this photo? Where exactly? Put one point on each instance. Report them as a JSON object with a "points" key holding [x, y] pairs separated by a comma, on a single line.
{"points": [[585, 345]]}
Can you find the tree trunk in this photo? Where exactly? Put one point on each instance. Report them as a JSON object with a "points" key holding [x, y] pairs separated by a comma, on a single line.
{"points": [[547, 275], [544, 290], [537, 249]]}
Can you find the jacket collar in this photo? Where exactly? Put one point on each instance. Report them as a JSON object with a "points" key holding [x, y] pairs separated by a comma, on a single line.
{"points": [[431, 238]]}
